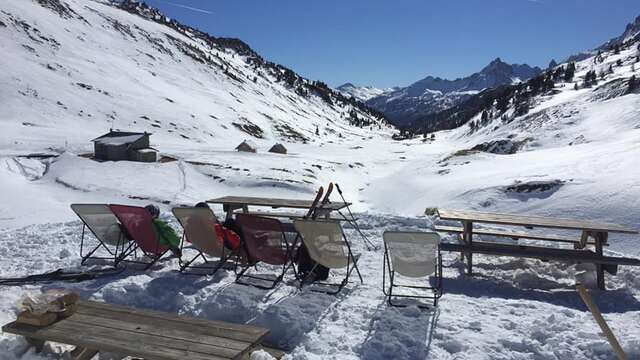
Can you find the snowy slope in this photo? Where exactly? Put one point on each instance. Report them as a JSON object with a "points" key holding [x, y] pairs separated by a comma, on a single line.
{"points": [[575, 153], [362, 93], [88, 66]]}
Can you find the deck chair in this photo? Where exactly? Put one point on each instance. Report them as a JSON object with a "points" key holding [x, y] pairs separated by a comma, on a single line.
{"points": [[328, 246], [414, 255], [265, 242], [139, 225], [104, 226], [199, 230]]}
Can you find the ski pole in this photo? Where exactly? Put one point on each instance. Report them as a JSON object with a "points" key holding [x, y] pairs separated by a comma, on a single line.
{"points": [[354, 223]]}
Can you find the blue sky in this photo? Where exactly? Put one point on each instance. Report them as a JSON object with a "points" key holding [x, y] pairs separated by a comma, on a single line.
{"points": [[396, 42]]}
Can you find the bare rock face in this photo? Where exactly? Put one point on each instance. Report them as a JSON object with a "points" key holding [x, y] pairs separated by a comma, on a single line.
{"points": [[502, 147], [534, 186]]}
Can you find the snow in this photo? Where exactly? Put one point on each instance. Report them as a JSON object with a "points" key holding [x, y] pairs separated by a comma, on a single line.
{"points": [[512, 308], [118, 140]]}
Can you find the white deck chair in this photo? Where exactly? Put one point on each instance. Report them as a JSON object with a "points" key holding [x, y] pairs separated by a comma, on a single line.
{"points": [[106, 228], [327, 246], [199, 230], [414, 255]]}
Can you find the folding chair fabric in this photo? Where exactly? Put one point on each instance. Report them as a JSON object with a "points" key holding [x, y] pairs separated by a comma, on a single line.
{"points": [[101, 221], [413, 254], [324, 242], [139, 225], [264, 239], [199, 226]]}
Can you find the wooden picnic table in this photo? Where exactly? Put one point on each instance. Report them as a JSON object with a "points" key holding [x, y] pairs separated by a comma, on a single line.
{"points": [[231, 203], [97, 326], [598, 231]]}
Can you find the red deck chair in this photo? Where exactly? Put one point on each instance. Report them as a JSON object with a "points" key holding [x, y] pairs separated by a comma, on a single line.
{"points": [[265, 242], [139, 225]]}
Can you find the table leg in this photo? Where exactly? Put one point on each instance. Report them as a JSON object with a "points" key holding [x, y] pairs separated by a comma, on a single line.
{"points": [[36, 343], [468, 239], [601, 238]]}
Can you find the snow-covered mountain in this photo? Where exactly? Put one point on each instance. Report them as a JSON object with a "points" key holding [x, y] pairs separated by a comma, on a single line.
{"points": [[433, 94], [362, 93], [73, 69]]}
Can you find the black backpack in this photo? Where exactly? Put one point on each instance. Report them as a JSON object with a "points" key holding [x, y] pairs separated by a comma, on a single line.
{"points": [[306, 264]]}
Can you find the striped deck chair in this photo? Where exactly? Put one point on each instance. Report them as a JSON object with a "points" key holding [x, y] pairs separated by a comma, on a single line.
{"points": [[106, 229], [266, 243], [328, 246], [413, 255], [139, 225], [199, 225]]}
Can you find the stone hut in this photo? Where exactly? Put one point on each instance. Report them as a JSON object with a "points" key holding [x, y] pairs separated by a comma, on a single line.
{"points": [[278, 148], [122, 145], [247, 146]]}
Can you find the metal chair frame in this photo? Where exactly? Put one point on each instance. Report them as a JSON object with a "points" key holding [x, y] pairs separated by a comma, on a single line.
{"points": [[388, 292], [352, 264], [288, 264], [133, 249], [122, 240]]}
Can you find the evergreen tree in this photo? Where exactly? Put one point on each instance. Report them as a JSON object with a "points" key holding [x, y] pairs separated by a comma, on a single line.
{"points": [[633, 83], [619, 62], [570, 72], [484, 117], [317, 131]]}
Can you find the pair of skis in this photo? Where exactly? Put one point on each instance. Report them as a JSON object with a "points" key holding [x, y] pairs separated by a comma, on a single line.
{"points": [[61, 275], [318, 203]]}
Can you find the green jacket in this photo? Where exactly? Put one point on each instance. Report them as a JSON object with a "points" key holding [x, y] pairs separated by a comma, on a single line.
{"points": [[166, 234]]}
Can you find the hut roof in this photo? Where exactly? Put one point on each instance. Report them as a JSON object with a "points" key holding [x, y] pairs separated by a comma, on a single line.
{"points": [[116, 138], [247, 144], [278, 148]]}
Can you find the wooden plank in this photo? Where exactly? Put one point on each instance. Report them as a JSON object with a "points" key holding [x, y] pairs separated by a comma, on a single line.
{"points": [[516, 235], [528, 220], [161, 329], [131, 339], [534, 252], [601, 322], [219, 328], [107, 340], [194, 329], [275, 202], [290, 215]]}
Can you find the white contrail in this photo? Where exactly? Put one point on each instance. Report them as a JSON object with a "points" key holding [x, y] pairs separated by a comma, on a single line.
{"points": [[189, 7]]}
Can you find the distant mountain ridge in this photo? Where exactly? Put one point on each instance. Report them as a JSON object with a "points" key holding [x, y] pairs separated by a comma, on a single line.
{"points": [[433, 94]]}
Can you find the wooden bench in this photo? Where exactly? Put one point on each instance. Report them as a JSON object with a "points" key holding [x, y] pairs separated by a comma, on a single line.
{"points": [[147, 334], [514, 235], [609, 263], [595, 230]]}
